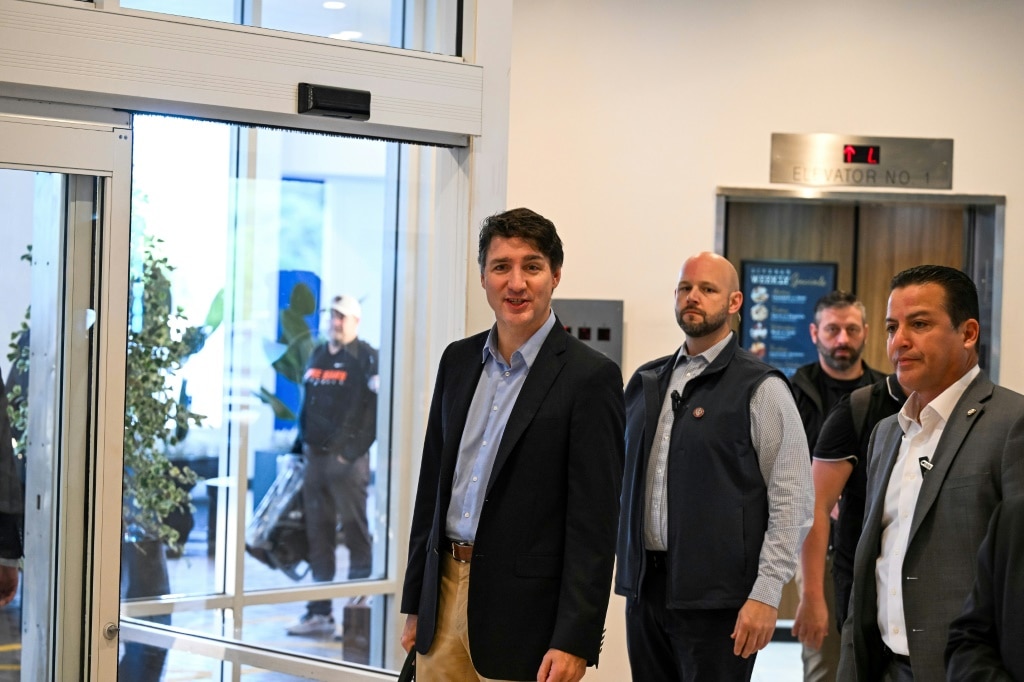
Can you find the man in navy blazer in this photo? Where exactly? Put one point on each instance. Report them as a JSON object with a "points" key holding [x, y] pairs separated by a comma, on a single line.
{"points": [[984, 641], [513, 530], [936, 472]]}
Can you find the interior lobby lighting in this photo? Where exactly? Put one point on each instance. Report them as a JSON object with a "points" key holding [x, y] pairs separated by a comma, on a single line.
{"points": [[331, 4], [347, 35]]}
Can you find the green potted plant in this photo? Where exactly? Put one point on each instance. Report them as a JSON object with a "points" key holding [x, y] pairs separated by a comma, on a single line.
{"points": [[17, 381], [157, 418]]}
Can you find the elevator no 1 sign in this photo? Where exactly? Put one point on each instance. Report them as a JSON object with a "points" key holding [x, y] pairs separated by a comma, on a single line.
{"points": [[856, 161]]}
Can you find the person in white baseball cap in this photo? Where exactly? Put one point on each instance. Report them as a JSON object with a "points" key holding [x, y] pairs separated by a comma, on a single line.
{"points": [[346, 314], [337, 426]]}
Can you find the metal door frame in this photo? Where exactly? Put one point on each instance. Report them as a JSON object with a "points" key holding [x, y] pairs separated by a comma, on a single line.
{"points": [[93, 148]]}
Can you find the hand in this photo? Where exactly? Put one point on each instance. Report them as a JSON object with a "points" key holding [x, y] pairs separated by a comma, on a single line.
{"points": [[559, 666], [409, 633], [8, 584], [811, 623], [754, 628]]}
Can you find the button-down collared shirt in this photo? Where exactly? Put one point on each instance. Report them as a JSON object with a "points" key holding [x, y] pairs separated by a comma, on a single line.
{"points": [[781, 447], [922, 428], [656, 500], [495, 396]]}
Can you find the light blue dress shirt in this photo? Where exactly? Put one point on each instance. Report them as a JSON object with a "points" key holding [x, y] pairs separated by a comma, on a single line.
{"points": [[495, 396]]}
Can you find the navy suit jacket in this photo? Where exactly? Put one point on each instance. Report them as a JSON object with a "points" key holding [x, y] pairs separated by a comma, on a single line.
{"points": [[985, 640], [978, 461], [542, 561]]}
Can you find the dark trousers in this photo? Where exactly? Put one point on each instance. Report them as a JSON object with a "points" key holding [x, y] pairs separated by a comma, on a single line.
{"points": [[844, 588], [898, 672], [897, 668], [143, 574], [333, 488], [679, 645]]}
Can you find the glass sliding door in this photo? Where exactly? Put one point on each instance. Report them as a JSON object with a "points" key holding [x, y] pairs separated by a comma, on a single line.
{"points": [[54, 204], [258, 466], [176, 322]]}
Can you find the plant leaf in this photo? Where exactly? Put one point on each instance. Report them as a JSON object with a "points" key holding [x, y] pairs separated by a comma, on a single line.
{"points": [[216, 313], [281, 411], [302, 300], [292, 363], [293, 326]]}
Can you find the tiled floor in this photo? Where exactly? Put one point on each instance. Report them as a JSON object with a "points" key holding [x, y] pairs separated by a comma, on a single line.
{"points": [[779, 662], [10, 638]]}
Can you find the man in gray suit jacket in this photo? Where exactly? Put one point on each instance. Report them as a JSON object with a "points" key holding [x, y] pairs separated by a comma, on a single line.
{"points": [[936, 472]]}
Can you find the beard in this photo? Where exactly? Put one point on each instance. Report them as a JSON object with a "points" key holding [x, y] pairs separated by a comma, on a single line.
{"points": [[839, 363], [709, 322]]}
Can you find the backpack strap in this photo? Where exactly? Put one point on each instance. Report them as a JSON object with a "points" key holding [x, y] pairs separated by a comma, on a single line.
{"points": [[860, 399]]}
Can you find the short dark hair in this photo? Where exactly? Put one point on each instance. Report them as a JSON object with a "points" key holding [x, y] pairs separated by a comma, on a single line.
{"points": [[961, 302], [839, 299], [522, 223]]}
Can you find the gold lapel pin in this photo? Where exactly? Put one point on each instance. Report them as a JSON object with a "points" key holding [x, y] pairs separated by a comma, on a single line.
{"points": [[971, 412], [698, 412]]}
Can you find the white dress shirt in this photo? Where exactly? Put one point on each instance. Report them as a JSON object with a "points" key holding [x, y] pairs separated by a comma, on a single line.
{"points": [[922, 429]]}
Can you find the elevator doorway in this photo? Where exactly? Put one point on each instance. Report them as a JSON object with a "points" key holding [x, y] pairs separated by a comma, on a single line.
{"points": [[871, 237]]}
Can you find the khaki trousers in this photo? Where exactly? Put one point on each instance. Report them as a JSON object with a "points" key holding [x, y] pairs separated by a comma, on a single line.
{"points": [[448, 659]]}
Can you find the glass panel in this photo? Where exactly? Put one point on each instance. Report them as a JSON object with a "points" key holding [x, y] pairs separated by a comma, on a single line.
{"points": [[213, 10], [426, 25], [40, 447], [188, 666], [197, 656], [18, 190], [349, 639], [259, 336]]}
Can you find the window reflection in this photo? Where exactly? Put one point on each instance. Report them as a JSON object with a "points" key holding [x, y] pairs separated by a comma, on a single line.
{"points": [[278, 256], [428, 25], [24, 196]]}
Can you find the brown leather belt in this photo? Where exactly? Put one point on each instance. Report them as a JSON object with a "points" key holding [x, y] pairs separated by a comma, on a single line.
{"points": [[460, 551]]}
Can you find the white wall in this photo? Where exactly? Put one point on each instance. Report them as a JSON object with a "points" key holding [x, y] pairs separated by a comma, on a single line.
{"points": [[625, 117]]}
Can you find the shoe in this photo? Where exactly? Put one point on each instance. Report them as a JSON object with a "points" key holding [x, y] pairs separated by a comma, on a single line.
{"points": [[312, 624]]}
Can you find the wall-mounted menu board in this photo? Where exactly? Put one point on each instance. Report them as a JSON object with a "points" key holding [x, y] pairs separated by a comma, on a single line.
{"points": [[778, 307]]}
